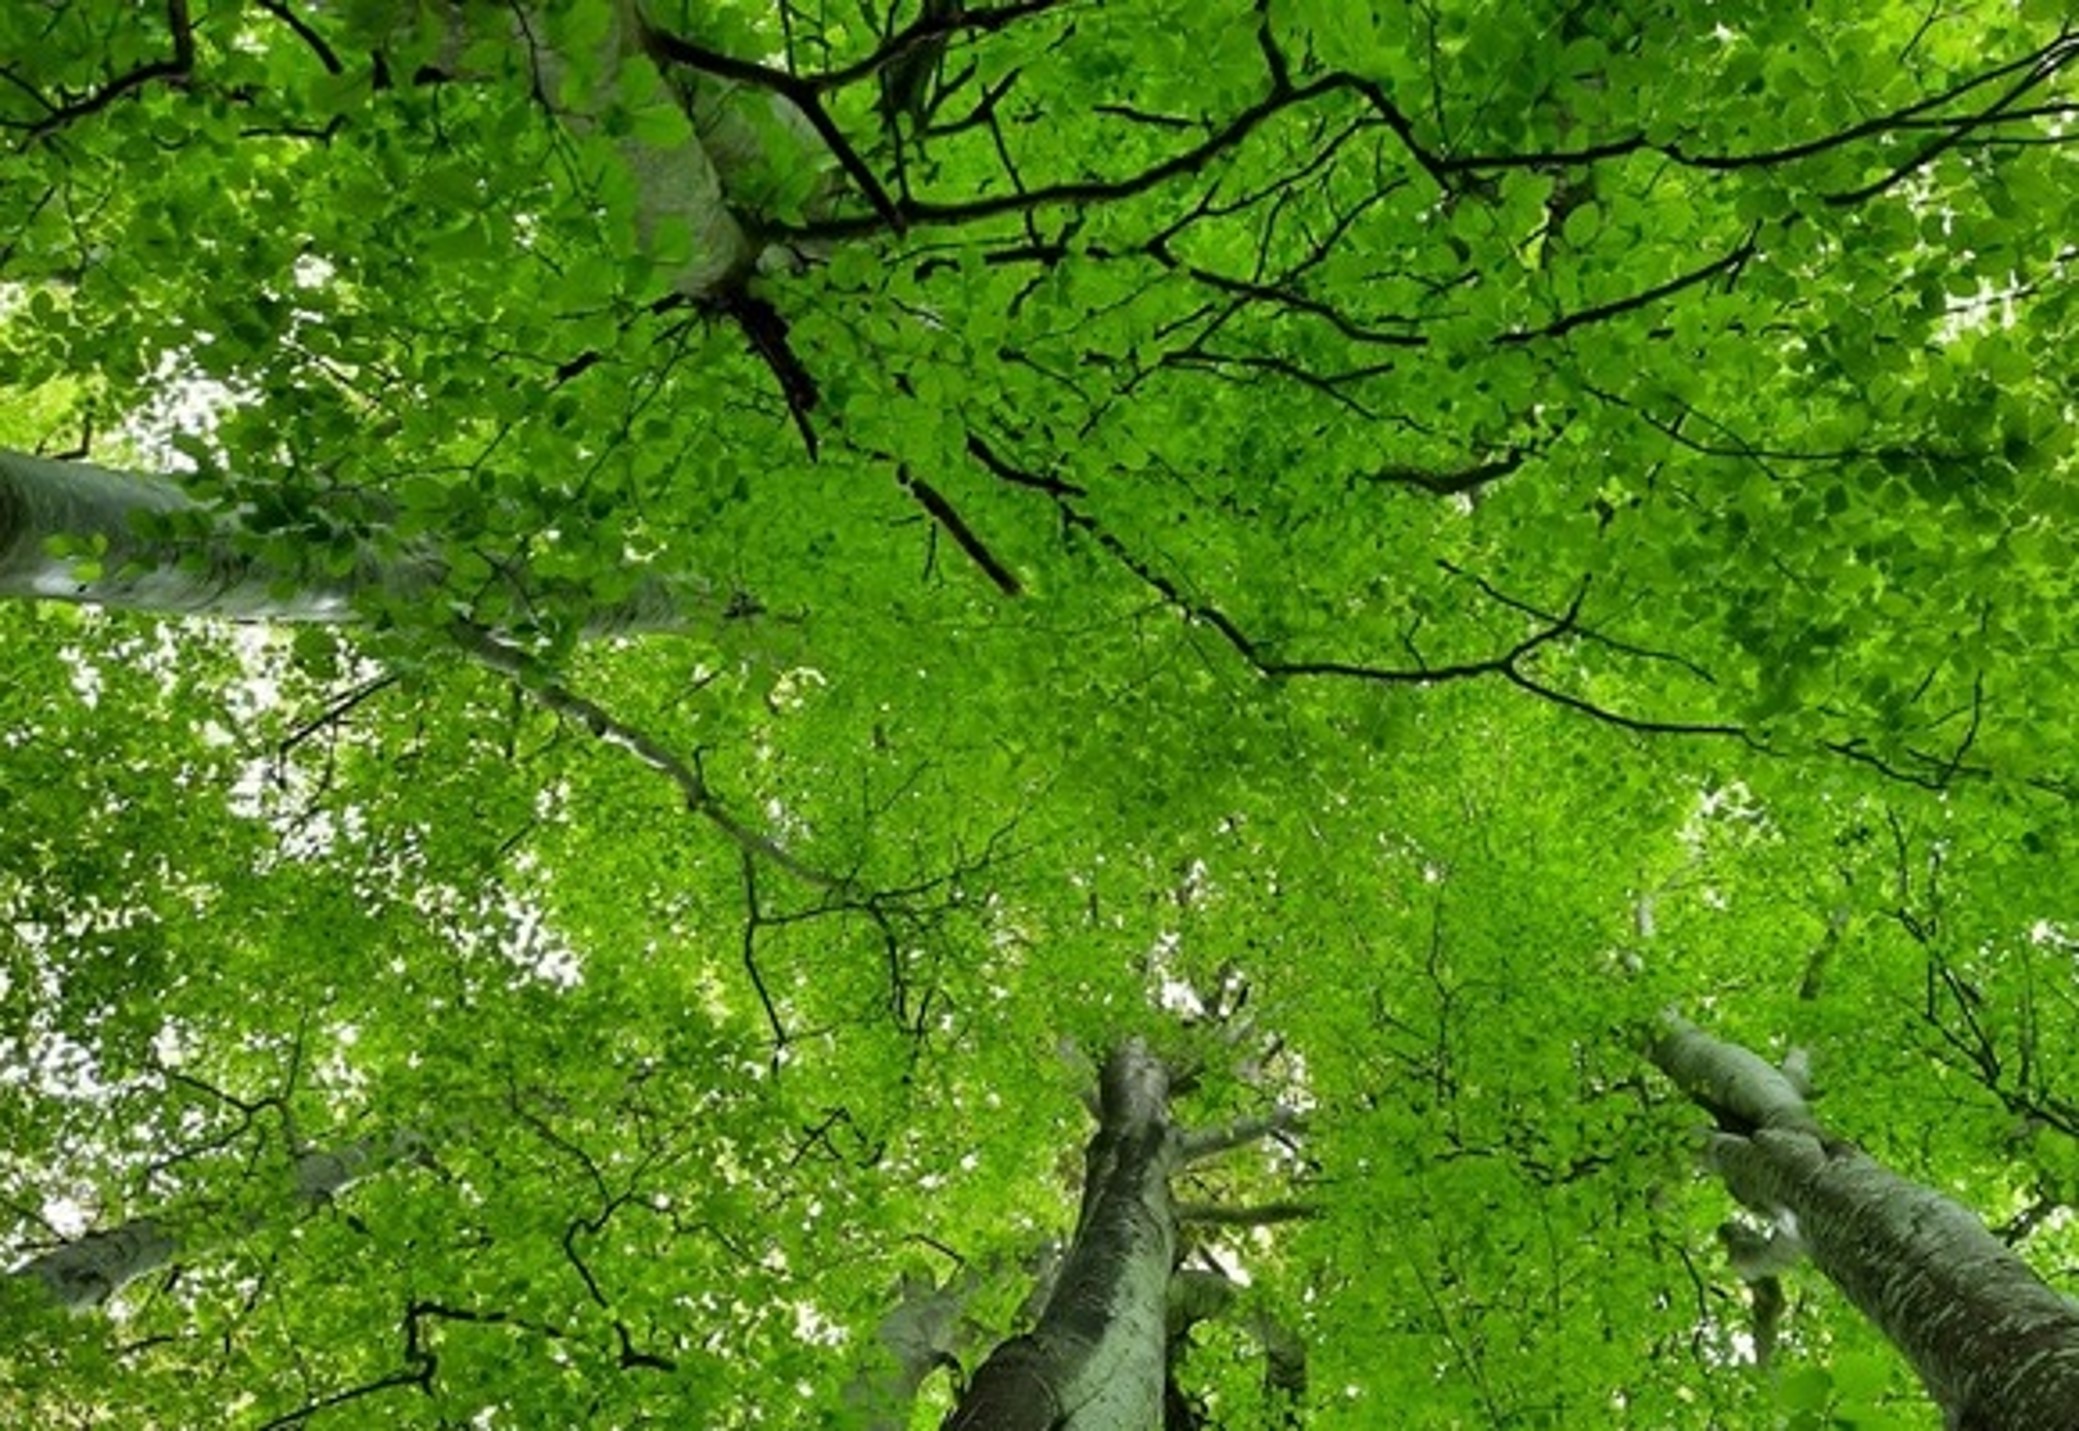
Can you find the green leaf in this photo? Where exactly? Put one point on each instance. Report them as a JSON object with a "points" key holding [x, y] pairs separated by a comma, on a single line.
{"points": [[1374, 548], [1807, 1389]]}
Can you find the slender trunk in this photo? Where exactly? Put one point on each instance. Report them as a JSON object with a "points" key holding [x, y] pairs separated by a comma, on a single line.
{"points": [[110, 523], [1996, 1347], [702, 196], [89, 1270], [84, 1273], [105, 515], [1098, 1358]]}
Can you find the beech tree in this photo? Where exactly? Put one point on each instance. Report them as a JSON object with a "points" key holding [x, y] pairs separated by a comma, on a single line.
{"points": [[1994, 1344], [819, 588]]}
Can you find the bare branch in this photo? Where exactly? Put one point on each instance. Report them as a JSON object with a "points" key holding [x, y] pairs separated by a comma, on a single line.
{"points": [[534, 680], [1209, 1142], [176, 68], [934, 502], [1263, 1215]]}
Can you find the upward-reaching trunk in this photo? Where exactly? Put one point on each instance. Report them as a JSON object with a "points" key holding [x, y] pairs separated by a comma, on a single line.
{"points": [[1996, 1347], [87, 1271], [103, 519], [676, 185], [1098, 1358], [1115, 1310], [113, 555], [84, 1273]]}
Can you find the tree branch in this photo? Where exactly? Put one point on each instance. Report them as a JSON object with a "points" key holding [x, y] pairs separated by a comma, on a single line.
{"points": [[1206, 1214], [178, 67], [671, 49], [1209, 1142], [932, 501], [919, 212], [533, 679]]}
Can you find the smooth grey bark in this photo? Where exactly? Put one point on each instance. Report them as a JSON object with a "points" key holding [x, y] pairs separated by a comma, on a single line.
{"points": [[107, 512], [1112, 1310], [84, 1273], [1098, 1358], [1996, 1347], [711, 185], [102, 510], [679, 185]]}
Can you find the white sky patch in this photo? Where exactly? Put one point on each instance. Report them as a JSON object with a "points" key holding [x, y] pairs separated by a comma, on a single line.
{"points": [[1990, 306], [812, 1327], [170, 1045], [1296, 1094], [336, 1072], [66, 1217], [183, 400], [55, 1064], [2047, 934], [42, 1057], [501, 922], [1173, 993], [86, 677], [791, 691], [311, 271], [1729, 811], [538, 953]]}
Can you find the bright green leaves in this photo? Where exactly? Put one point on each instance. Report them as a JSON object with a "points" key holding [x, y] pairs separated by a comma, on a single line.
{"points": [[1804, 465], [86, 553], [1857, 1389], [578, 29]]}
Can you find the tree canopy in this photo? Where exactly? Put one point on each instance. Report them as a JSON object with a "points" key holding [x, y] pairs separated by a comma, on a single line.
{"points": [[1361, 551]]}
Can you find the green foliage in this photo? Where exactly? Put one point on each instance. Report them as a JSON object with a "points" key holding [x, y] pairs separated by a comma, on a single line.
{"points": [[1519, 516]]}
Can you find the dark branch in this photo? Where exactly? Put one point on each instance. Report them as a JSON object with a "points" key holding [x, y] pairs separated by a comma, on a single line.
{"points": [[926, 29], [1508, 665], [934, 502], [325, 53], [767, 331], [1456, 483], [179, 67], [1726, 263], [1081, 192], [533, 679], [1959, 130], [420, 1366]]}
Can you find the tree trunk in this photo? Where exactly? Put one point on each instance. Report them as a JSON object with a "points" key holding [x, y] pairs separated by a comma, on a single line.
{"points": [[1996, 1347], [112, 562], [679, 186], [1098, 1358], [89, 1270], [84, 1273], [106, 518]]}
